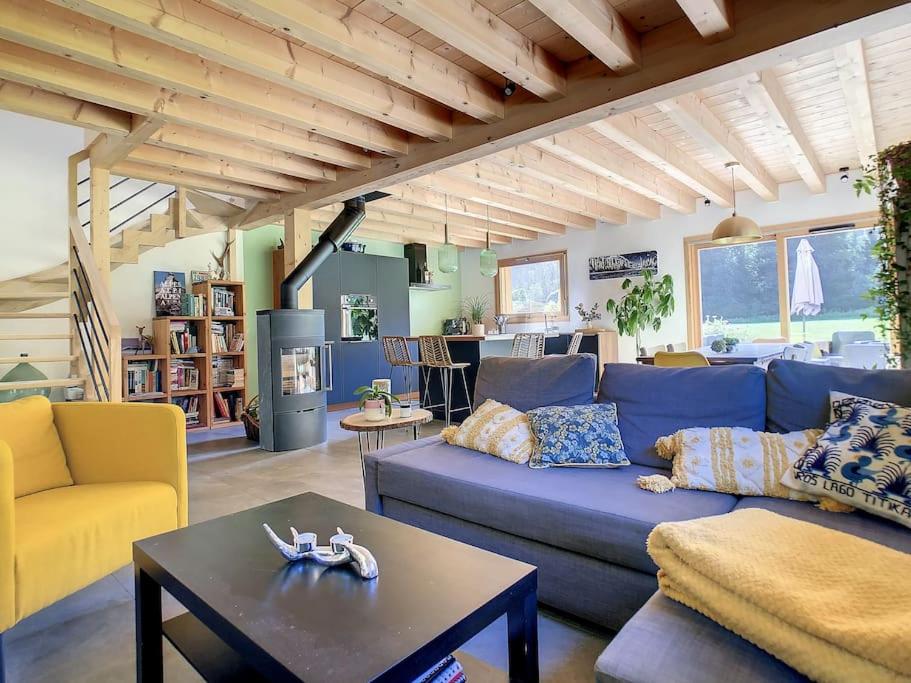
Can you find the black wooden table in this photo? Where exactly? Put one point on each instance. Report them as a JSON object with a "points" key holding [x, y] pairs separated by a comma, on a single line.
{"points": [[253, 616]]}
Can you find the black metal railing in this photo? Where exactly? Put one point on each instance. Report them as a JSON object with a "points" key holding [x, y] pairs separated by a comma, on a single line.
{"points": [[90, 329], [123, 201]]}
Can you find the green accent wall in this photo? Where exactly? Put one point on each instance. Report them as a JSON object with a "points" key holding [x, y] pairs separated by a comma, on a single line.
{"points": [[427, 309]]}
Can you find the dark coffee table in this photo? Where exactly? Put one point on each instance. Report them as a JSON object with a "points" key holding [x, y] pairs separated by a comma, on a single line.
{"points": [[253, 616]]}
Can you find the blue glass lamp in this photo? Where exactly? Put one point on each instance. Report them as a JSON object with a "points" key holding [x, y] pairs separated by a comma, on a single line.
{"points": [[448, 258]]}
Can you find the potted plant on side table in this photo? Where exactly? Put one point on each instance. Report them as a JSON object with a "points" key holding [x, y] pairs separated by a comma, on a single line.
{"points": [[376, 403]]}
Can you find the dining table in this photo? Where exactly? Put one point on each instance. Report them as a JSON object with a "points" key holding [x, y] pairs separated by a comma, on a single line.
{"points": [[742, 354]]}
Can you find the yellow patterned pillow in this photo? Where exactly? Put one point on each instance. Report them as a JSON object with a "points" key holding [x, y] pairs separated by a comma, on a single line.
{"points": [[496, 429], [735, 459]]}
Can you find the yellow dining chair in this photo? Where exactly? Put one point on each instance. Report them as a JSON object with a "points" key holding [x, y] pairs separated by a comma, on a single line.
{"points": [[680, 359]]}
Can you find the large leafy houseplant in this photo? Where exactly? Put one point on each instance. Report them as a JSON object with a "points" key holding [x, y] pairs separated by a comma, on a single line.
{"points": [[889, 176], [644, 305]]}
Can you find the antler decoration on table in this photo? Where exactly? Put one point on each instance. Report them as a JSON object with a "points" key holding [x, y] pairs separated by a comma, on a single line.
{"points": [[341, 550]]}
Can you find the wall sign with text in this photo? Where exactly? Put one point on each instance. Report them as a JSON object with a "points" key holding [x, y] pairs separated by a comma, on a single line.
{"points": [[622, 265]]}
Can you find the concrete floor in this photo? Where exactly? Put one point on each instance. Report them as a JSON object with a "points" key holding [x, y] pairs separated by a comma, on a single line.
{"points": [[89, 635]]}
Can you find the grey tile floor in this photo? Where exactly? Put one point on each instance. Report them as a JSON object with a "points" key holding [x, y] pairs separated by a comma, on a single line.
{"points": [[89, 635]]}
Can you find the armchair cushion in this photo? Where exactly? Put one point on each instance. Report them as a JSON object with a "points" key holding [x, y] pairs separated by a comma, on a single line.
{"points": [[39, 464], [66, 538]]}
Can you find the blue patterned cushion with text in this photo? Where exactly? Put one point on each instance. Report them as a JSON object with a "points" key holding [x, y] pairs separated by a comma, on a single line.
{"points": [[576, 436]]}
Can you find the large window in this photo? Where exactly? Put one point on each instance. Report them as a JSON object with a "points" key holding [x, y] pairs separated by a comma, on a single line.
{"points": [[747, 291], [531, 287]]}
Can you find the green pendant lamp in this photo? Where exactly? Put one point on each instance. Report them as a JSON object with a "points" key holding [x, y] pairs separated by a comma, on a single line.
{"points": [[23, 372], [448, 258], [489, 265], [736, 229]]}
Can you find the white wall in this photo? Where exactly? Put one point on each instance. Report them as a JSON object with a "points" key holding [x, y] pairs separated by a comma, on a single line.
{"points": [[666, 236]]}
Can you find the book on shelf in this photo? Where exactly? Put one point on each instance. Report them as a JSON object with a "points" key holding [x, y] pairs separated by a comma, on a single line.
{"points": [[183, 375], [225, 337], [222, 301], [143, 377], [225, 373], [195, 305], [190, 406], [183, 337], [447, 670], [227, 406]]}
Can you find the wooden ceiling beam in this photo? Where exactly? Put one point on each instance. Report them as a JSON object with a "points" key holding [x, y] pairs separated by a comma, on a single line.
{"points": [[429, 234], [855, 84], [391, 205], [599, 27], [767, 99], [106, 150], [39, 25], [180, 178], [378, 215], [338, 29], [472, 28], [714, 19], [47, 105], [193, 27], [56, 74], [635, 135], [532, 161], [158, 156], [701, 124], [594, 157]]}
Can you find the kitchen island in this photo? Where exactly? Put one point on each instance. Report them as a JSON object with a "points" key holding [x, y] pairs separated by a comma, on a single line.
{"points": [[473, 349]]}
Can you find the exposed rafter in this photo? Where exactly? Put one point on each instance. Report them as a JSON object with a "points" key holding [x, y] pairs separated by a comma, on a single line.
{"points": [[106, 150], [47, 105], [714, 19], [378, 215], [472, 28], [852, 72], [694, 117], [396, 207], [133, 169], [768, 100]]}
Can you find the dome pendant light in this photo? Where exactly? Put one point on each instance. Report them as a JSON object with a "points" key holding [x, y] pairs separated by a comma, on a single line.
{"points": [[489, 265], [448, 258], [736, 229]]}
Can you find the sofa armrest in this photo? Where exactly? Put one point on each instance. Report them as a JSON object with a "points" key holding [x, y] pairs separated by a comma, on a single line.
{"points": [[113, 442], [372, 499], [7, 540]]}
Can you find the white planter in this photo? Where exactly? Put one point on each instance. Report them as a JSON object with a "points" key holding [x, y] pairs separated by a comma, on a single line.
{"points": [[477, 330], [375, 413]]}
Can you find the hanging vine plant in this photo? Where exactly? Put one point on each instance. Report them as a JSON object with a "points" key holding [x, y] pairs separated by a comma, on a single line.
{"points": [[889, 177]]}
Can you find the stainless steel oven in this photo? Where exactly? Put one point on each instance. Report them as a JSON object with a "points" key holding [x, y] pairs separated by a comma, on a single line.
{"points": [[359, 317]]}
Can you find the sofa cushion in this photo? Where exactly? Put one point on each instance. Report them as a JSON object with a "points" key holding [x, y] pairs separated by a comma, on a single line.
{"points": [[27, 426], [526, 383], [92, 526], [654, 402], [798, 393], [596, 512]]}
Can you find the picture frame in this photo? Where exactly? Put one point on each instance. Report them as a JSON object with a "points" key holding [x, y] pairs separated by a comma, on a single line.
{"points": [[168, 288], [622, 265]]}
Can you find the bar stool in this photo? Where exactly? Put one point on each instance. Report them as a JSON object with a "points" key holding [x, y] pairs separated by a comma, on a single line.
{"points": [[574, 344], [435, 354], [528, 345], [395, 349]]}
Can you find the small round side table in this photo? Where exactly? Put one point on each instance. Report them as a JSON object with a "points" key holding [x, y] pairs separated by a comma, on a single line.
{"points": [[358, 423]]}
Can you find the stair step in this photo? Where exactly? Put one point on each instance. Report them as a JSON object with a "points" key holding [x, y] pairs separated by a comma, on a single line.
{"points": [[43, 383], [7, 360], [23, 315], [39, 336], [26, 295]]}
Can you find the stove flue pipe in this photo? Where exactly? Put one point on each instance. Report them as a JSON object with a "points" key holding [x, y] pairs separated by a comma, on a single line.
{"points": [[338, 232]]}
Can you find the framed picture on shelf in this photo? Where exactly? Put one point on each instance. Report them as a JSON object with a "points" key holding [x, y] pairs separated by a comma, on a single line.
{"points": [[169, 289], [198, 276]]}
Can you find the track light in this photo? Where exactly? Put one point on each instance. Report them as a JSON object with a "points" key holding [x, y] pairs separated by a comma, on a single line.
{"points": [[707, 201], [509, 89], [844, 174]]}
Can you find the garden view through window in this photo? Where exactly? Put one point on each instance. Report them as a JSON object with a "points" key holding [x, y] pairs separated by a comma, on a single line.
{"points": [[529, 287], [739, 287]]}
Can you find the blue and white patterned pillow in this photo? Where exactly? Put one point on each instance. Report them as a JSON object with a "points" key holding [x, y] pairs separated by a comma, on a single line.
{"points": [[576, 436]]}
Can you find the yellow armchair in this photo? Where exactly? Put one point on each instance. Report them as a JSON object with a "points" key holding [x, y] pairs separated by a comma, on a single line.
{"points": [[129, 467]]}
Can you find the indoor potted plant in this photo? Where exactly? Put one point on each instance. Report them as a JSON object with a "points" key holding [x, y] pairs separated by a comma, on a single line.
{"points": [[643, 306], [376, 403], [588, 316], [475, 308]]}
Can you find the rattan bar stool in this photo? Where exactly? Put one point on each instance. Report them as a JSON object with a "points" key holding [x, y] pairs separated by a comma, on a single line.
{"points": [[435, 355], [528, 345], [574, 343], [395, 349]]}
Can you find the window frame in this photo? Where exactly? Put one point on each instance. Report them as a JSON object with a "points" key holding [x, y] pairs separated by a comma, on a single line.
{"points": [[502, 283], [777, 233]]}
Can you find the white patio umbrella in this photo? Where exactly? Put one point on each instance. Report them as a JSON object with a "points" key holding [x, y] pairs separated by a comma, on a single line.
{"points": [[806, 296]]}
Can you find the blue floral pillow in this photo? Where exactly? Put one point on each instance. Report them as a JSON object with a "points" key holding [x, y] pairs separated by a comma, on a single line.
{"points": [[576, 436]]}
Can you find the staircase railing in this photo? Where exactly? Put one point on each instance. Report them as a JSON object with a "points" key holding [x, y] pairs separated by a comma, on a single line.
{"points": [[96, 338]]}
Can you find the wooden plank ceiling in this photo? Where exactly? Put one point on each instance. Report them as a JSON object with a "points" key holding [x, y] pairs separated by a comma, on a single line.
{"points": [[513, 118]]}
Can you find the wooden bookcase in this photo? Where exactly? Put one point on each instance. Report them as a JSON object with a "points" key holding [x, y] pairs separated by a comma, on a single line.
{"points": [[202, 359]]}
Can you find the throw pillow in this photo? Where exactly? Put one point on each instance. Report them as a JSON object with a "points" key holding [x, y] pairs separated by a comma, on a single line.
{"points": [[864, 460], [27, 426], [845, 406], [496, 429], [576, 436], [735, 459]]}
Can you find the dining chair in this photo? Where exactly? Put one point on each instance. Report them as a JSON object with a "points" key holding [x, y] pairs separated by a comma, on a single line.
{"points": [[840, 339], [651, 350], [680, 359], [677, 347], [528, 345], [574, 343], [395, 349], [796, 352], [435, 355]]}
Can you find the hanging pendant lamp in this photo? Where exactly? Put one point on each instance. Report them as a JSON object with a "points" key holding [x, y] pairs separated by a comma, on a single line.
{"points": [[736, 229], [489, 265], [448, 258]]}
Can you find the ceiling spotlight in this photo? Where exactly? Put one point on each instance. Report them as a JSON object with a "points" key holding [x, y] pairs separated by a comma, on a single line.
{"points": [[707, 201], [844, 174], [509, 89]]}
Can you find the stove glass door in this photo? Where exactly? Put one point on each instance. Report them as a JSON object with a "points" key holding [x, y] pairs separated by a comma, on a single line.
{"points": [[301, 372]]}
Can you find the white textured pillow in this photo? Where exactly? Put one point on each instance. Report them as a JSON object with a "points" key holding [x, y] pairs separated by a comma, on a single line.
{"points": [[496, 429]]}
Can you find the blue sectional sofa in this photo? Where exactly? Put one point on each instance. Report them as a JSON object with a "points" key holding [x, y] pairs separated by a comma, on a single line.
{"points": [[585, 529]]}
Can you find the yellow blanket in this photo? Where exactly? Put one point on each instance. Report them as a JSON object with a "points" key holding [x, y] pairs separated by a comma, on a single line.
{"points": [[833, 606]]}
